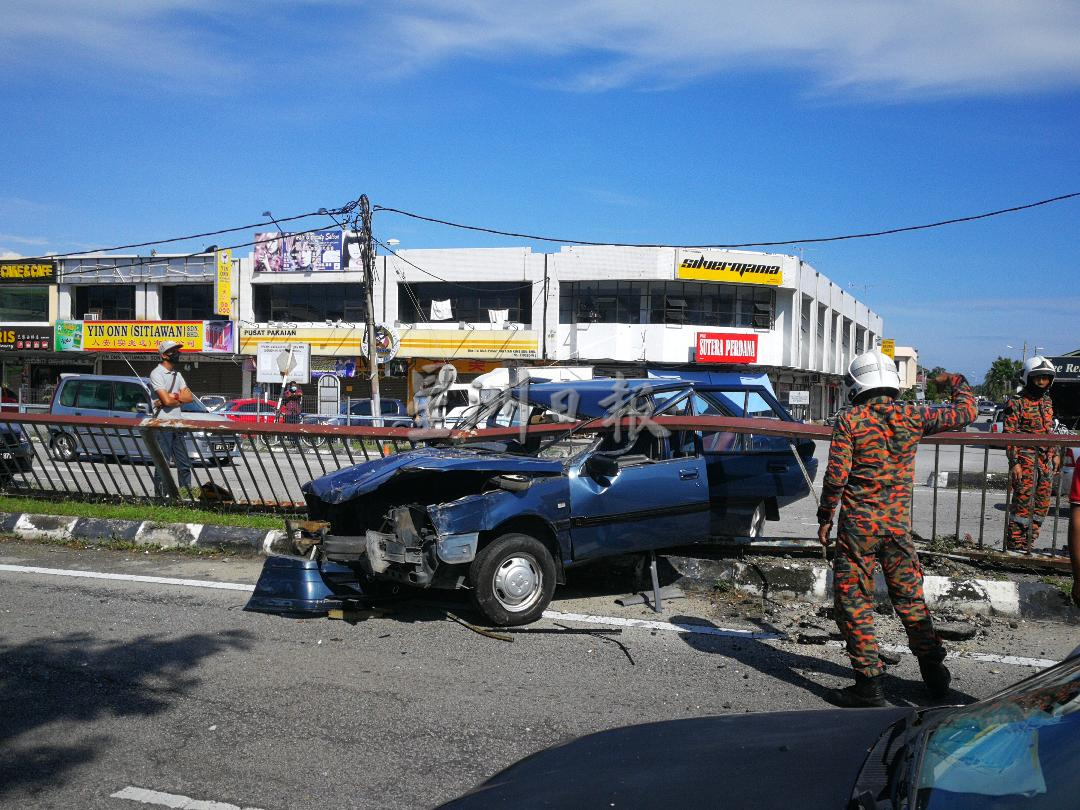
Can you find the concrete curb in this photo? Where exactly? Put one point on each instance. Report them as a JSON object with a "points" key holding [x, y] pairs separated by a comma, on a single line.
{"points": [[794, 579], [811, 581], [146, 533]]}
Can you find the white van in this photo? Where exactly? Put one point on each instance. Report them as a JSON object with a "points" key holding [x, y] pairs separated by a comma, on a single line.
{"points": [[461, 398]]}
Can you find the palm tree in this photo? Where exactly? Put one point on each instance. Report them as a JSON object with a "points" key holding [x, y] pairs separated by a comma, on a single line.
{"points": [[1001, 378]]}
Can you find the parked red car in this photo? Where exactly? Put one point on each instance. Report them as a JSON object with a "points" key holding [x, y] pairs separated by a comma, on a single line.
{"points": [[252, 410]]}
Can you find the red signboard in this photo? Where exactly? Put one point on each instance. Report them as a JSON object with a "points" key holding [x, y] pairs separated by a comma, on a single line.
{"points": [[726, 347]]}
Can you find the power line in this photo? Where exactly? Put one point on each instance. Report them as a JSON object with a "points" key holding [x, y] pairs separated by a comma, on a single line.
{"points": [[770, 243], [345, 209], [443, 280], [143, 261]]}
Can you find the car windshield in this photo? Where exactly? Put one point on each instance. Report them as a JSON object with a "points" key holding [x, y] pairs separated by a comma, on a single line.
{"points": [[1017, 748]]}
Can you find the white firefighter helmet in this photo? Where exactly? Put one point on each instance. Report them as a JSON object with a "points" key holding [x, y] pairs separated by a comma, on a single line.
{"points": [[870, 371], [1038, 366]]}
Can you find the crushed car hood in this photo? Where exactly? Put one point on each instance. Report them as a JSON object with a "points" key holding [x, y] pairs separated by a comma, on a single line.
{"points": [[346, 484]]}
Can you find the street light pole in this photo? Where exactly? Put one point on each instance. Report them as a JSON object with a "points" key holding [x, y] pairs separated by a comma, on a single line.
{"points": [[369, 302]]}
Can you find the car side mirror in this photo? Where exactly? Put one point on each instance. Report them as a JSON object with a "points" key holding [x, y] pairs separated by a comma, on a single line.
{"points": [[142, 407], [602, 466]]}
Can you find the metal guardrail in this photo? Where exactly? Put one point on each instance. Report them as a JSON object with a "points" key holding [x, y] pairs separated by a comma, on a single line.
{"points": [[262, 466]]}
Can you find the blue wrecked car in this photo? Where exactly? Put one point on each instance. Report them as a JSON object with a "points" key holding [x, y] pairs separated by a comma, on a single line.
{"points": [[506, 518]]}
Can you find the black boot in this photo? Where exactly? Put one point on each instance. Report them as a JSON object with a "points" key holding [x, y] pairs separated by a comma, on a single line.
{"points": [[936, 676], [865, 693]]}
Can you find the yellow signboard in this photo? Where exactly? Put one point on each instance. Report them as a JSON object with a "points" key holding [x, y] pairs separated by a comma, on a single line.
{"points": [[326, 341], [728, 267], [223, 287], [437, 343], [454, 343], [888, 348], [140, 336]]}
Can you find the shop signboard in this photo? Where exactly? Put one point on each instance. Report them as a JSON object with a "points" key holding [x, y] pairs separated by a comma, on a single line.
{"points": [[458, 343], [15, 338], [68, 336], [798, 397], [726, 347], [210, 337], [728, 267], [283, 363], [312, 252], [223, 283], [140, 336], [27, 271], [387, 343], [325, 341], [1068, 368]]}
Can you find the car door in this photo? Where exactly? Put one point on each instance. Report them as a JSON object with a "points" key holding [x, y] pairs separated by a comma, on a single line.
{"points": [[93, 398], [131, 404], [635, 501], [748, 467]]}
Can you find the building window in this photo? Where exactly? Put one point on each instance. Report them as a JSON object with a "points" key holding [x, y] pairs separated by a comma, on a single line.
{"points": [[24, 303], [187, 302], [308, 302], [111, 302], [468, 302], [670, 302]]}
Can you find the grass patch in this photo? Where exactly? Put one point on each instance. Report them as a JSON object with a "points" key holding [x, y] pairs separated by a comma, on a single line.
{"points": [[1063, 584], [118, 511]]}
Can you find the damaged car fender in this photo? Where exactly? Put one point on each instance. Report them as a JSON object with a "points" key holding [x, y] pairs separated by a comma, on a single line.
{"points": [[487, 515]]}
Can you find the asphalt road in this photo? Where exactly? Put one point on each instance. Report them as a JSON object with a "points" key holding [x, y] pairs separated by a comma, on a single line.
{"points": [[110, 685]]}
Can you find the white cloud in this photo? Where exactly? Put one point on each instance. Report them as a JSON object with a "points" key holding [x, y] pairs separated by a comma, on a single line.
{"points": [[881, 49]]}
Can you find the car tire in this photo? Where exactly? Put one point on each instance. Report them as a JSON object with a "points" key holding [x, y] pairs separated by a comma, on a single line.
{"points": [[513, 482], [512, 579], [62, 447]]}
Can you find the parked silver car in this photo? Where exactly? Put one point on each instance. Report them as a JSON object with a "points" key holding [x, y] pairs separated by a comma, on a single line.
{"points": [[128, 401]]}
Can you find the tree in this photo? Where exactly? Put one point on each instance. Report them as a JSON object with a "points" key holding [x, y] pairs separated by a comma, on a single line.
{"points": [[933, 393], [1001, 378]]}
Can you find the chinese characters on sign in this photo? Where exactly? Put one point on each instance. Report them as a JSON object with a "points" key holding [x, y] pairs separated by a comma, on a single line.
{"points": [[223, 287], [21, 338], [726, 347]]}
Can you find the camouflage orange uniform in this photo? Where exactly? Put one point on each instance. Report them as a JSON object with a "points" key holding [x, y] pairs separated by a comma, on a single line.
{"points": [[1029, 414], [870, 473]]}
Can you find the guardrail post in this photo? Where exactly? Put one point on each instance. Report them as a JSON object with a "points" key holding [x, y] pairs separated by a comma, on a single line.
{"points": [[985, 486], [161, 464], [959, 493], [933, 517]]}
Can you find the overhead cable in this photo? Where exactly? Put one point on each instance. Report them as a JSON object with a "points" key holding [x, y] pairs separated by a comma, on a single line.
{"points": [[769, 243], [345, 209]]}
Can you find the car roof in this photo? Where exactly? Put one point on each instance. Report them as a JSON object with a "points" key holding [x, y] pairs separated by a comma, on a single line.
{"points": [[105, 378], [592, 392]]}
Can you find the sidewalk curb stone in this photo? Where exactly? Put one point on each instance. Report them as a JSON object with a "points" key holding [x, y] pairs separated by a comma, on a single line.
{"points": [[811, 581], [802, 580]]}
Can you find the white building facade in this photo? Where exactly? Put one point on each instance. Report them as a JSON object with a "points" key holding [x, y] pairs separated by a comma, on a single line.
{"points": [[619, 309]]}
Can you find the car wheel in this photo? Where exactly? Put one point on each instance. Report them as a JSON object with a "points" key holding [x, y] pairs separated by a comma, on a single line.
{"points": [[62, 447], [757, 520], [512, 579]]}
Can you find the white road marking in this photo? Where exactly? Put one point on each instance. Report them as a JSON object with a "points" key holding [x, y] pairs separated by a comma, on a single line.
{"points": [[986, 658], [646, 624], [187, 583], [553, 615], [173, 800]]}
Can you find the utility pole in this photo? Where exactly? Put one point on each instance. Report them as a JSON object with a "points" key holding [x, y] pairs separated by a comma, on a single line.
{"points": [[368, 241]]}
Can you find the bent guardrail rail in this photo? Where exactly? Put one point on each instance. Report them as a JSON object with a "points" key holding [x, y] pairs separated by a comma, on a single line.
{"points": [[262, 466]]}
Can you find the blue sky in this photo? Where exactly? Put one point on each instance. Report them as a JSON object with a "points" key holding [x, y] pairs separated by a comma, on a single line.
{"points": [[601, 120]]}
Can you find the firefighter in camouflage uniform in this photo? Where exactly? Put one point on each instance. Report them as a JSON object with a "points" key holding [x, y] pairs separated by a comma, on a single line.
{"points": [[1032, 469], [869, 476]]}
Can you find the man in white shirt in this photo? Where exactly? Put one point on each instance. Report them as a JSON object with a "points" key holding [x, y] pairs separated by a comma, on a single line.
{"points": [[170, 388]]}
